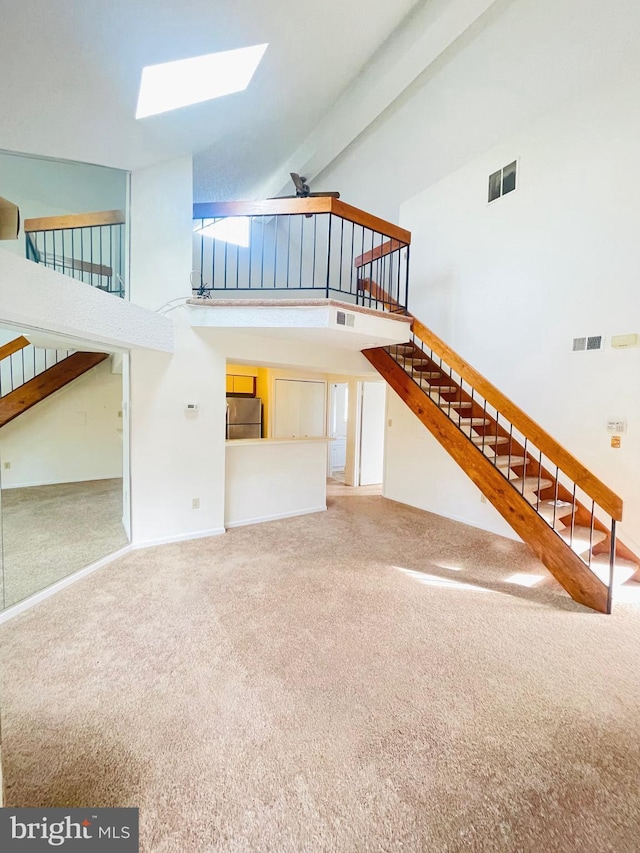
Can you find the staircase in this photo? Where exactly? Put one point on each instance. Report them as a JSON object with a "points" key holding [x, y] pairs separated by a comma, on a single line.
{"points": [[30, 374], [563, 512]]}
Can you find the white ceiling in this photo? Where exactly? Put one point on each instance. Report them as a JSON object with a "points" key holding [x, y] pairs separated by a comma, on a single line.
{"points": [[70, 74]]}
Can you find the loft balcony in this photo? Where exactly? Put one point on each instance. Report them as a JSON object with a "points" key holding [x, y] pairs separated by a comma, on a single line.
{"points": [[299, 249], [315, 269]]}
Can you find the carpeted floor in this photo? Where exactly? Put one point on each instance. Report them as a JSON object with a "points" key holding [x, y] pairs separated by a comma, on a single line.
{"points": [[363, 679], [50, 531]]}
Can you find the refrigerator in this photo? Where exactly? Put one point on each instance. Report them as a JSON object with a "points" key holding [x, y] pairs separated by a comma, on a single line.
{"points": [[244, 417]]}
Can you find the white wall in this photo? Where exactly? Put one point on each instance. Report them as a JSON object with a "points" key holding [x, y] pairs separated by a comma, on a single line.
{"points": [[71, 436], [274, 479], [418, 472], [177, 456], [509, 285], [161, 233]]}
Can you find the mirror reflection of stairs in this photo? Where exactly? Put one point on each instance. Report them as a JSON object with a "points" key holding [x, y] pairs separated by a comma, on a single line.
{"points": [[30, 374]]}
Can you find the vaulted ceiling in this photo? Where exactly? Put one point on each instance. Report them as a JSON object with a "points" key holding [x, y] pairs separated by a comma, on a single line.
{"points": [[70, 75]]}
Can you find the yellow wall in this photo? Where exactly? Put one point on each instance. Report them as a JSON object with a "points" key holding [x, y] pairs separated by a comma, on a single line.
{"points": [[262, 388]]}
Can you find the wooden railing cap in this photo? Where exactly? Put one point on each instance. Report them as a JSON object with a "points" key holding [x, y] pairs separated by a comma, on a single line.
{"points": [[298, 206], [75, 220]]}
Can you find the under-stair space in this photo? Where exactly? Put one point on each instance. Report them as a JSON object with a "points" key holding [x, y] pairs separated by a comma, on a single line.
{"points": [[562, 511], [30, 374]]}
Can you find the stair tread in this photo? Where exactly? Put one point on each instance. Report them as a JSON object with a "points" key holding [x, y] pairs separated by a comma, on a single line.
{"points": [[531, 484], [438, 389], [563, 510], [582, 537], [506, 461], [458, 404], [489, 439], [470, 421]]}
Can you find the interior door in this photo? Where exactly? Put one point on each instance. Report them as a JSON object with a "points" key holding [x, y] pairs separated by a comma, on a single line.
{"points": [[372, 418], [299, 408]]}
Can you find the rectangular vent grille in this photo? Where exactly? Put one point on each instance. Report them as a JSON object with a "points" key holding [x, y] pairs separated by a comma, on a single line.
{"points": [[344, 319], [591, 342]]}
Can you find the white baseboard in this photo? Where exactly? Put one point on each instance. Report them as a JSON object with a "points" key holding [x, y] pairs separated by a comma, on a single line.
{"points": [[37, 483], [262, 518], [182, 537], [47, 592]]}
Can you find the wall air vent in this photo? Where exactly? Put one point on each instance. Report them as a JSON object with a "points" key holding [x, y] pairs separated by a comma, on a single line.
{"points": [[592, 342], [503, 181], [344, 319]]}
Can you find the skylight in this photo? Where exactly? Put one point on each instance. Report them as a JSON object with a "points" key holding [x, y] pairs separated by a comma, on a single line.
{"points": [[232, 229], [171, 85]]}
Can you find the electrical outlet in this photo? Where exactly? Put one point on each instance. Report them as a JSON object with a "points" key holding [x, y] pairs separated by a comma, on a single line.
{"points": [[195, 503], [6, 465]]}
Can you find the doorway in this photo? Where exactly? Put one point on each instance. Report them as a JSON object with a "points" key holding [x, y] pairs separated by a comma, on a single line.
{"points": [[338, 429]]}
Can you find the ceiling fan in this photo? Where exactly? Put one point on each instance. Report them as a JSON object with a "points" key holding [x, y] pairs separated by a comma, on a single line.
{"points": [[304, 191]]}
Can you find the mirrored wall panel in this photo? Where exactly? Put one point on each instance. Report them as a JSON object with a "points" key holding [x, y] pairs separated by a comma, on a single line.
{"points": [[61, 452]]}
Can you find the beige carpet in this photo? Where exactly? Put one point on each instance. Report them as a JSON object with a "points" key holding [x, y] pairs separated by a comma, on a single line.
{"points": [[50, 531], [357, 680]]}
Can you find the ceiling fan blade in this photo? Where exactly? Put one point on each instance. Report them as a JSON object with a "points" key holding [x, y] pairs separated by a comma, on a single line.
{"points": [[330, 194], [299, 183]]}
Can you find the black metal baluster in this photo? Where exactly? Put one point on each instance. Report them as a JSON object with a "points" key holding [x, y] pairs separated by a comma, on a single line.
{"points": [[262, 257], [524, 470], [213, 259], [288, 247], [612, 565], [250, 249], [539, 482], [593, 510], [555, 498], [329, 256], [573, 515], [352, 264], [315, 244], [302, 221], [275, 250], [201, 238], [341, 253], [406, 294]]}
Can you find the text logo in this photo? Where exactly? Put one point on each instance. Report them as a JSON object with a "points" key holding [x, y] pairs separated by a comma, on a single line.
{"points": [[86, 830]]}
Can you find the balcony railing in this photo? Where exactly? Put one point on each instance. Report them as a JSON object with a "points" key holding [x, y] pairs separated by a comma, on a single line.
{"points": [[299, 248], [89, 247]]}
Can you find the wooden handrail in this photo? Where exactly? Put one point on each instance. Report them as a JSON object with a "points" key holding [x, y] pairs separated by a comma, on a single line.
{"points": [[75, 220], [13, 346], [379, 252], [581, 476], [297, 206], [568, 464]]}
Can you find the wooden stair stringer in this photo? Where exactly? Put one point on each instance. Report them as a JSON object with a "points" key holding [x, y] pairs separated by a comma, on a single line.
{"points": [[566, 567], [47, 383]]}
